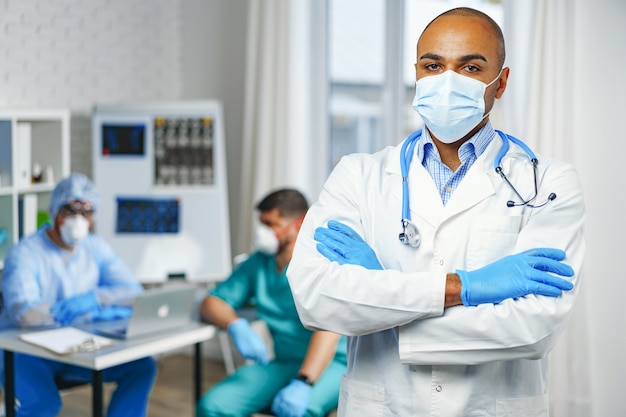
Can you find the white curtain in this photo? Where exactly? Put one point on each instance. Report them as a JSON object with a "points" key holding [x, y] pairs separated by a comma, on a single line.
{"points": [[543, 116], [279, 135]]}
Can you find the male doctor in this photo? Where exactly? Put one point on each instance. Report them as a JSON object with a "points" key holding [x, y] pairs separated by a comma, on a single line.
{"points": [[455, 319], [63, 275]]}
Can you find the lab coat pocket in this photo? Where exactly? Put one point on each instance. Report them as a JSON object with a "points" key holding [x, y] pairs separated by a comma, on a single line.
{"points": [[523, 407], [491, 238], [358, 398]]}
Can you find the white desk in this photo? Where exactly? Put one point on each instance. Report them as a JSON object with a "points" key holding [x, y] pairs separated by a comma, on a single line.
{"points": [[121, 352]]}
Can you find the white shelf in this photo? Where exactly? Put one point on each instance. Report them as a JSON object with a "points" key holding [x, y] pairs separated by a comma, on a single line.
{"points": [[29, 136], [36, 188]]}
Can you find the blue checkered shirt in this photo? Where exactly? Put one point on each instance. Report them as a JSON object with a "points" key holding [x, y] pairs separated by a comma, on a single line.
{"points": [[447, 181]]}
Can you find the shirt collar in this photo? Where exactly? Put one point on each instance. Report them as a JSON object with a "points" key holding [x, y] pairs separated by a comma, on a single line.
{"points": [[475, 145]]}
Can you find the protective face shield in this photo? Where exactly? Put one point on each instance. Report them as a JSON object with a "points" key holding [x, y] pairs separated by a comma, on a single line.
{"points": [[74, 229], [265, 240], [450, 104]]}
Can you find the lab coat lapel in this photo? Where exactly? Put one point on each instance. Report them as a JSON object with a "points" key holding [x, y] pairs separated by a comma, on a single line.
{"points": [[424, 199], [423, 196]]}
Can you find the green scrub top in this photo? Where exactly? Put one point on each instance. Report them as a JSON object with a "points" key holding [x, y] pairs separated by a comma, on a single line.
{"points": [[256, 281]]}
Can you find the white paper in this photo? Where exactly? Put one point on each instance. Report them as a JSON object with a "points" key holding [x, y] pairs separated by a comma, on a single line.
{"points": [[66, 340]]}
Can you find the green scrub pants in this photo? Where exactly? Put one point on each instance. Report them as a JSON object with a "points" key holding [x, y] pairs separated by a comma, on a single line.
{"points": [[252, 388]]}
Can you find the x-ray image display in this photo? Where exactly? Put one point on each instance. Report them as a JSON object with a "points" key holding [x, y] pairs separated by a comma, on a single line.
{"points": [[123, 139], [148, 215], [183, 151]]}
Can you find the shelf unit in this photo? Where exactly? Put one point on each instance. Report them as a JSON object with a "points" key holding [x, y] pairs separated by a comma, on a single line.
{"points": [[29, 137]]}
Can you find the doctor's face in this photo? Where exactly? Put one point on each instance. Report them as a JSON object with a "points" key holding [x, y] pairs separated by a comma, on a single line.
{"points": [[285, 228], [466, 45]]}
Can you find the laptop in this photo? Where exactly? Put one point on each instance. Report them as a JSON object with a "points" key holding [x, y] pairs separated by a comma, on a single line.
{"points": [[154, 310]]}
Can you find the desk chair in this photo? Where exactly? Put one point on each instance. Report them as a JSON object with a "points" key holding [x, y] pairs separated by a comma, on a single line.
{"points": [[227, 351]]}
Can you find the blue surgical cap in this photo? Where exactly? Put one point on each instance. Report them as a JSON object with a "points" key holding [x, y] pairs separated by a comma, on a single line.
{"points": [[74, 187]]}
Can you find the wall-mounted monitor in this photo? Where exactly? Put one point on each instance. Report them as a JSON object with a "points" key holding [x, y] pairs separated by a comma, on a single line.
{"points": [[120, 139]]}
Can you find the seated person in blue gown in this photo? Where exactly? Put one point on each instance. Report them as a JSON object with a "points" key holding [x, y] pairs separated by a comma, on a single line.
{"points": [[63, 275], [304, 376]]}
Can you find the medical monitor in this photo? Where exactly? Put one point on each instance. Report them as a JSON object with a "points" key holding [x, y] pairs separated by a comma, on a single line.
{"points": [[161, 172]]}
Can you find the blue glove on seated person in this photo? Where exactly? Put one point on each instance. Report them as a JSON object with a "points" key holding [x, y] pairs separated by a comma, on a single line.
{"points": [[106, 313], [247, 341], [68, 310], [342, 244], [293, 400], [516, 276]]}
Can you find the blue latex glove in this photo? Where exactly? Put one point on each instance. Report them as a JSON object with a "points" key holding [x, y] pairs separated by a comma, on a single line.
{"points": [[107, 313], [66, 311], [516, 276], [293, 400], [247, 341], [340, 243]]}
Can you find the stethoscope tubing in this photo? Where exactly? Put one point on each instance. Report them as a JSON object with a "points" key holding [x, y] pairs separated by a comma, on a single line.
{"points": [[405, 162], [406, 156]]}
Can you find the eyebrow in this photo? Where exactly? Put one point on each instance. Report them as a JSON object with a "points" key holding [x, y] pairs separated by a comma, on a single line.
{"points": [[464, 58], [434, 57], [472, 57]]}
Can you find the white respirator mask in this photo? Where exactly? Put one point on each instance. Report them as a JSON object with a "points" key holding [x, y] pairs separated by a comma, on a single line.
{"points": [[265, 240], [74, 229]]}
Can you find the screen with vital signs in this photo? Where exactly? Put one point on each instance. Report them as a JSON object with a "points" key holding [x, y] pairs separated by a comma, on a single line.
{"points": [[123, 139]]}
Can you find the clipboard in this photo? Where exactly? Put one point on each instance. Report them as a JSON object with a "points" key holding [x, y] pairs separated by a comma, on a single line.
{"points": [[66, 340]]}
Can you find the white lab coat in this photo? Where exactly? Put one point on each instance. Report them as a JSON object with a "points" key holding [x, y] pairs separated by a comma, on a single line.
{"points": [[408, 356]]}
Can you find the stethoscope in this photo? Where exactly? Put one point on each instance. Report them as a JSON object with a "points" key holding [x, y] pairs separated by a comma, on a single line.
{"points": [[410, 235]]}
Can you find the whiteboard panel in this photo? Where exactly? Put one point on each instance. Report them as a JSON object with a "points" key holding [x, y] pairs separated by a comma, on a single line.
{"points": [[147, 156]]}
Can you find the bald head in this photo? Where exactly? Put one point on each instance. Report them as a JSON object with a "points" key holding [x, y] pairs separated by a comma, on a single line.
{"points": [[490, 24]]}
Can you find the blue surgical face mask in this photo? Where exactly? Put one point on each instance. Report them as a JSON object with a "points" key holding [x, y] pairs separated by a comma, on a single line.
{"points": [[450, 104]]}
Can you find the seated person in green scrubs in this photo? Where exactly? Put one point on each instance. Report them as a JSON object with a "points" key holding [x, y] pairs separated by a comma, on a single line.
{"points": [[303, 377]]}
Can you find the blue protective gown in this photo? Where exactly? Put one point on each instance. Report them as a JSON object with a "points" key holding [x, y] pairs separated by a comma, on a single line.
{"points": [[253, 387], [37, 274]]}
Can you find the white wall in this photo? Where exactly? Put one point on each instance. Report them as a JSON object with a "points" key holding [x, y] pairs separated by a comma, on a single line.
{"points": [[75, 53], [600, 75]]}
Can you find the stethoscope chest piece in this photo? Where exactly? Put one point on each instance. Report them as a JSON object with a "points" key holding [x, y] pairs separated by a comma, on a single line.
{"points": [[410, 236]]}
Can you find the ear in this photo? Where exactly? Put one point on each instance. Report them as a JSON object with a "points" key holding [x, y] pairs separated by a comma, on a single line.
{"points": [[298, 222], [502, 81]]}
